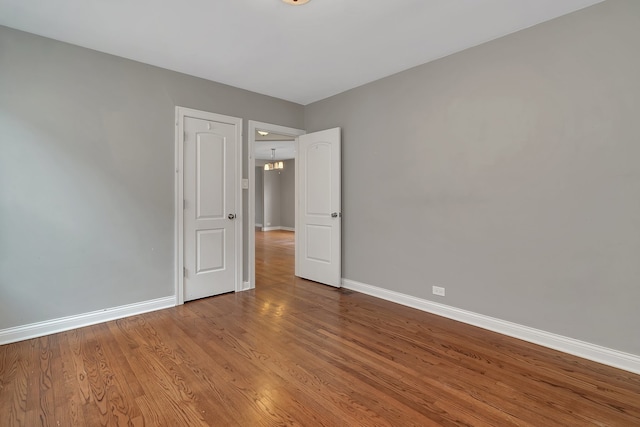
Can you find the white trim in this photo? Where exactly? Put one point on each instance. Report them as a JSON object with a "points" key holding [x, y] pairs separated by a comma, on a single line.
{"points": [[251, 199], [178, 191], [278, 228], [181, 113], [596, 353], [35, 330], [296, 237]]}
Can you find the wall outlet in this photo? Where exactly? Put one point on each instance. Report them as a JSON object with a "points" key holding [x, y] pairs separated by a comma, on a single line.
{"points": [[437, 290]]}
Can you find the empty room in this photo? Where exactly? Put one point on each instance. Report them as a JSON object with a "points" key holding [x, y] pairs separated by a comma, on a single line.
{"points": [[320, 213]]}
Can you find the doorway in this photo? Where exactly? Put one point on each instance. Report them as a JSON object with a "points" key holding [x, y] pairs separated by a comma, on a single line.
{"points": [[275, 257], [282, 140]]}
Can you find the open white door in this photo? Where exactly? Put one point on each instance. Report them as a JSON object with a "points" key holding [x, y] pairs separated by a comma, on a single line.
{"points": [[319, 217]]}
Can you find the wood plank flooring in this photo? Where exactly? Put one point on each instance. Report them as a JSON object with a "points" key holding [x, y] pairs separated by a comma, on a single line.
{"points": [[294, 352]]}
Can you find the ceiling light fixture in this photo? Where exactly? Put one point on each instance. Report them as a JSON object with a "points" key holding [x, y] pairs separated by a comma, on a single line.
{"points": [[263, 133], [296, 2], [273, 165]]}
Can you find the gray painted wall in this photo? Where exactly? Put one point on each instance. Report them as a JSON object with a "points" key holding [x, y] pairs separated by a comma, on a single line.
{"points": [[288, 194], [87, 174], [508, 174], [271, 199], [275, 195]]}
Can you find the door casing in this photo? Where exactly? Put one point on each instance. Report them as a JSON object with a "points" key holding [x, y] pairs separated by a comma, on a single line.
{"points": [[180, 114]]}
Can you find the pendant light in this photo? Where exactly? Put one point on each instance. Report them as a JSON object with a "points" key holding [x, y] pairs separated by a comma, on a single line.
{"points": [[273, 165]]}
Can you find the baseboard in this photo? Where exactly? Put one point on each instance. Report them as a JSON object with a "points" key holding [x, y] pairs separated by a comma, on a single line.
{"points": [[278, 228], [34, 330], [596, 353]]}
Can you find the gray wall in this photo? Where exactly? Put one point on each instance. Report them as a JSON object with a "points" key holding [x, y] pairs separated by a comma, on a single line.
{"points": [[288, 194], [87, 174], [275, 195], [271, 199], [507, 173]]}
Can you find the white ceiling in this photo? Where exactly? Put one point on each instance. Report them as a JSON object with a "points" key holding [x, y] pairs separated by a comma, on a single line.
{"points": [[270, 136], [298, 53], [284, 145], [284, 150]]}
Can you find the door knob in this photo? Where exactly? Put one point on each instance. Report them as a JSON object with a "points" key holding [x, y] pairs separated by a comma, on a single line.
{"points": [[336, 215], [231, 216]]}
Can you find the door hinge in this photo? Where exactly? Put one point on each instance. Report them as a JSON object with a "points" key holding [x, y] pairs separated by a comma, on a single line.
{"points": [[184, 136], [184, 271], [184, 204]]}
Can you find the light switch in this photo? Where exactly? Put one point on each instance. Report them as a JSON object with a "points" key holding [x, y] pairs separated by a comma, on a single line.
{"points": [[245, 184]]}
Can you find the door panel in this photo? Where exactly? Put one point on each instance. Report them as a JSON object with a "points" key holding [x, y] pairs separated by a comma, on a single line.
{"points": [[318, 243], [210, 157], [209, 182], [318, 246], [318, 179], [210, 250]]}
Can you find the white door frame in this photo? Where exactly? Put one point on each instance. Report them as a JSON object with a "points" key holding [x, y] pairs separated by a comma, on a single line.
{"points": [[253, 127], [181, 113]]}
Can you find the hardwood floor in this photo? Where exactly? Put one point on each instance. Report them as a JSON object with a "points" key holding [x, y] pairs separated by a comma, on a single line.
{"points": [[275, 251], [294, 352]]}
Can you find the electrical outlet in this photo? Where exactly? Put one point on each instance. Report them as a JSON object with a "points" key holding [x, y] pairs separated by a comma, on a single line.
{"points": [[437, 290]]}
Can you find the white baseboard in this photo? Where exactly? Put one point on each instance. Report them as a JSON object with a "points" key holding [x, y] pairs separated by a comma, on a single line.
{"points": [[278, 228], [34, 330], [258, 225], [596, 353]]}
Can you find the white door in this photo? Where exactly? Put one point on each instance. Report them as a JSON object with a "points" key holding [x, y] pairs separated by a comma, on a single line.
{"points": [[210, 224], [319, 230]]}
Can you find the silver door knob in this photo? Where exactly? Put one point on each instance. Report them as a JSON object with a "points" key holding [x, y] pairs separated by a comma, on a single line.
{"points": [[231, 216], [336, 215]]}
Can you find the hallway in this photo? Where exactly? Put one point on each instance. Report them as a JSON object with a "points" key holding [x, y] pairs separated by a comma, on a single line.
{"points": [[275, 257]]}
